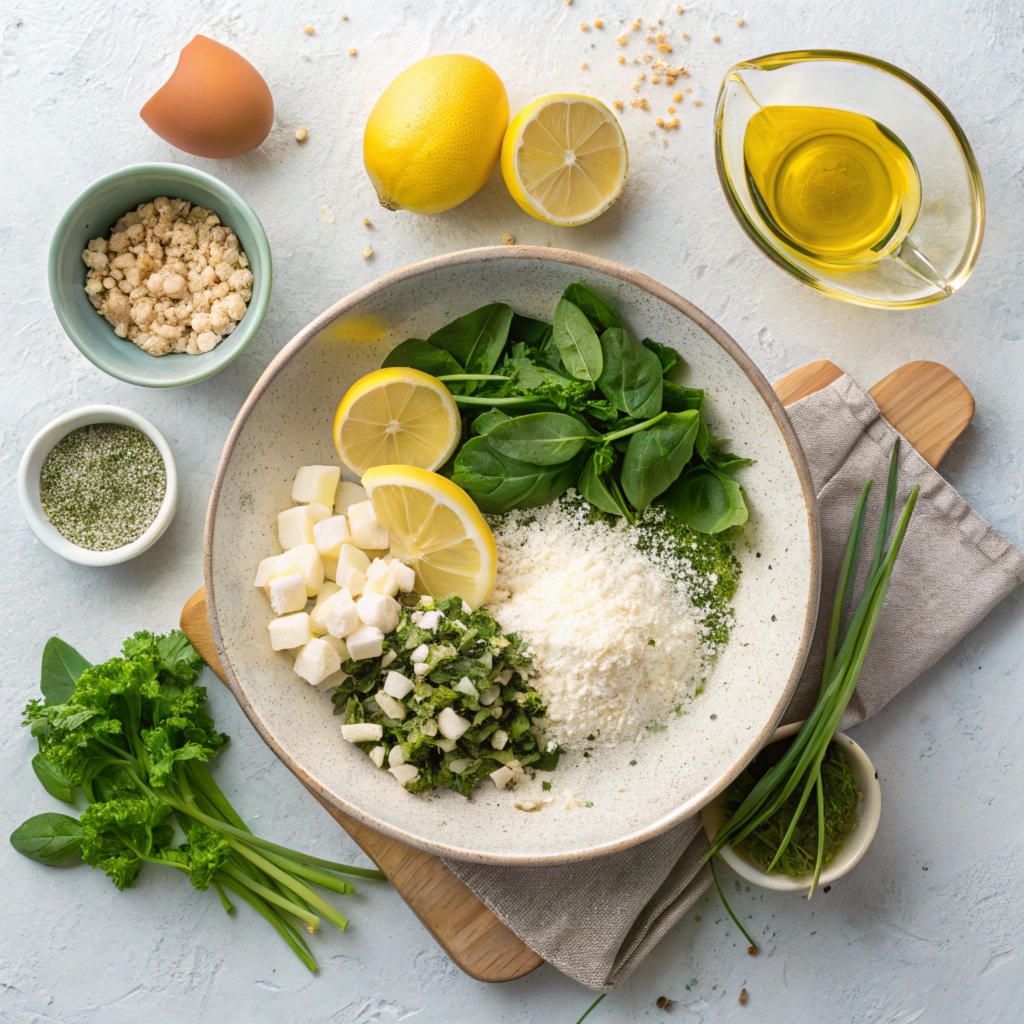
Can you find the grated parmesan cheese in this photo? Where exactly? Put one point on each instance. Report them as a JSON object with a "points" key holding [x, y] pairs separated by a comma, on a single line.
{"points": [[589, 603]]}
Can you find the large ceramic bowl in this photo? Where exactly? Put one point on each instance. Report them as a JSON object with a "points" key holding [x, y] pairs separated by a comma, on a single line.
{"points": [[624, 794]]}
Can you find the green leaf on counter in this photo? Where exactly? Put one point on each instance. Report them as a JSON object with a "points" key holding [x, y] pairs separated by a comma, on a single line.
{"points": [[54, 779], [62, 665], [48, 838]]}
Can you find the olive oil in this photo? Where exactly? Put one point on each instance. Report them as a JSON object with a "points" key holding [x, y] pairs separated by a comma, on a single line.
{"points": [[837, 186]]}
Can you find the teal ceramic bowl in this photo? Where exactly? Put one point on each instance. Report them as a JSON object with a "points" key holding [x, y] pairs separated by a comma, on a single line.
{"points": [[93, 214]]}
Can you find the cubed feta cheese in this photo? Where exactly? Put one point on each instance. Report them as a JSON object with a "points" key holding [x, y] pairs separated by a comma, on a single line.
{"points": [[316, 625], [498, 739], [367, 533], [289, 631], [389, 656], [377, 756], [365, 642], [316, 661], [362, 732], [391, 707], [347, 494], [396, 756], [459, 765], [397, 685], [338, 613], [339, 645], [378, 610], [316, 483], [446, 745], [405, 577], [421, 653], [287, 594], [503, 776], [305, 560], [451, 724], [405, 773], [380, 579], [329, 534], [295, 525], [421, 668], [351, 569], [428, 727], [465, 685], [490, 695], [429, 620]]}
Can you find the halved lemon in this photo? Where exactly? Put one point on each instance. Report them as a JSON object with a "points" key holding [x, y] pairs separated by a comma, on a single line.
{"points": [[396, 415], [564, 158], [436, 529]]}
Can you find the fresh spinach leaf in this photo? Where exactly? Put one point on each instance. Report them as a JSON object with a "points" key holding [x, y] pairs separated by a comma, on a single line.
{"points": [[631, 377], [477, 339], [577, 342], [54, 779], [592, 487], [540, 438], [62, 665], [597, 311], [707, 500], [527, 329], [498, 483], [675, 398], [702, 443], [48, 838], [668, 357], [656, 456], [421, 355], [726, 462], [486, 420]]}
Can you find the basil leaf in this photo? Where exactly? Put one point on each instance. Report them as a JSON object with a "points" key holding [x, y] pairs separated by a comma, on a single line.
{"points": [[486, 420], [631, 378], [540, 438], [62, 666], [577, 342], [421, 355], [656, 456], [498, 483], [706, 500], [48, 838], [675, 398], [476, 340], [526, 329], [53, 779], [668, 357], [597, 311], [593, 489]]}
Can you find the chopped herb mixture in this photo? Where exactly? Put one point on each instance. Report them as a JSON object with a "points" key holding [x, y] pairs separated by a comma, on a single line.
{"points": [[102, 485], [464, 707]]}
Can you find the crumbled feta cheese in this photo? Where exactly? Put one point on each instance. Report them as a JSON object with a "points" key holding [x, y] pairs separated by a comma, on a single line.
{"points": [[365, 642], [362, 732], [287, 594], [389, 656], [397, 685], [391, 707], [289, 631], [380, 611], [459, 765], [430, 620], [377, 756], [421, 668], [316, 661], [396, 756], [405, 773], [490, 695], [329, 534], [367, 533], [446, 745], [451, 724], [348, 494], [503, 776], [429, 727], [420, 654], [465, 685], [498, 739]]}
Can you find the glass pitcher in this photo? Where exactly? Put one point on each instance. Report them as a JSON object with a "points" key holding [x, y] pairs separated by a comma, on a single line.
{"points": [[931, 247]]}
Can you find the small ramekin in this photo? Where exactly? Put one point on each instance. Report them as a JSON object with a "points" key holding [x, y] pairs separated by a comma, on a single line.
{"points": [[32, 463], [869, 811]]}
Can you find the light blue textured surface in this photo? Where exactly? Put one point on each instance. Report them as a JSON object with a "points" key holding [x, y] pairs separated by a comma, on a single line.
{"points": [[893, 942]]}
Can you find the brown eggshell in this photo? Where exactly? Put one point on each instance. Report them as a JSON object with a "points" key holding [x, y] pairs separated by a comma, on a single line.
{"points": [[216, 104]]}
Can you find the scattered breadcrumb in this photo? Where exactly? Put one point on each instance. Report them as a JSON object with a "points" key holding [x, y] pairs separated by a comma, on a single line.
{"points": [[716, 39], [344, 17], [327, 213], [367, 223], [301, 133], [663, 1003], [367, 252], [677, 97], [507, 239], [617, 104], [671, 110], [584, 65], [743, 991], [751, 950], [698, 103], [308, 29], [685, 36], [679, 10], [352, 51], [688, 89], [598, 23], [741, 23], [584, 27], [621, 59]]}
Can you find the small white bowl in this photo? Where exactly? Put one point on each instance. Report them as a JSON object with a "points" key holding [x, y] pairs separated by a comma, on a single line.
{"points": [[869, 811], [32, 464]]}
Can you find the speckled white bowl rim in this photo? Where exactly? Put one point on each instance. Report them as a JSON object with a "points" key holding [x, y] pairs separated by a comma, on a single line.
{"points": [[725, 341], [869, 814], [31, 465]]}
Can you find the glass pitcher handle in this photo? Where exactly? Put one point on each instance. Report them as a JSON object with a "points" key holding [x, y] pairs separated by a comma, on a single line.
{"points": [[917, 263]]}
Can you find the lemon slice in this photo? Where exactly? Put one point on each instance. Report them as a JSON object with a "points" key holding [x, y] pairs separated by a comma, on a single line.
{"points": [[436, 529], [396, 415], [564, 158]]}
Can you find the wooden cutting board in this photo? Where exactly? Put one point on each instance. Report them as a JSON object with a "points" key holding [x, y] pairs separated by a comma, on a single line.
{"points": [[927, 403]]}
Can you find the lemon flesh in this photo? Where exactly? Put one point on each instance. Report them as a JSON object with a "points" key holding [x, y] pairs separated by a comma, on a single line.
{"points": [[436, 529], [434, 136], [396, 415], [564, 159]]}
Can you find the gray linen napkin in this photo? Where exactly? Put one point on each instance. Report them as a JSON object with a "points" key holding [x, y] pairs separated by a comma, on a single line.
{"points": [[563, 913]]}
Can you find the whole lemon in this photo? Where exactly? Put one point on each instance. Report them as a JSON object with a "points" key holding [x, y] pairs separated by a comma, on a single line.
{"points": [[434, 135]]}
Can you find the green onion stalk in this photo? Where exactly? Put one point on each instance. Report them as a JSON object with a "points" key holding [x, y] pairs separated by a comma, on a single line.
{"points": [[799, 769]]}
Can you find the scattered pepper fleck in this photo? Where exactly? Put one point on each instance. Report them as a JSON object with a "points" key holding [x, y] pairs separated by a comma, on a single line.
{"points": [[828, 888], [301, 133]]}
